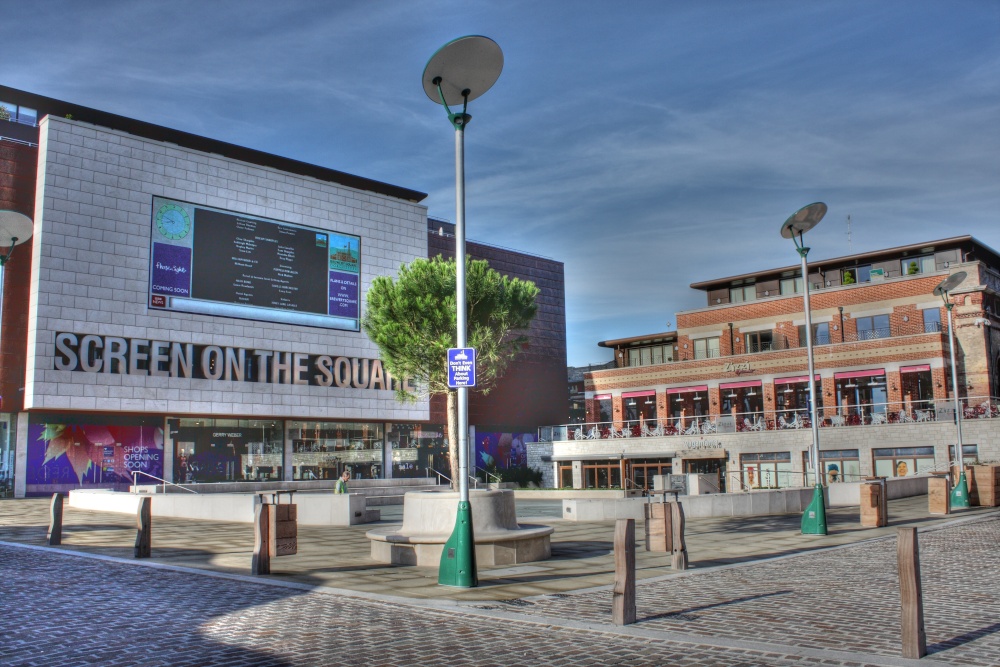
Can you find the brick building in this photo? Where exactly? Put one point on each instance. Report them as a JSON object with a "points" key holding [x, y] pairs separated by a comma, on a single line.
{"points": [[190, 309], [727, 392]]}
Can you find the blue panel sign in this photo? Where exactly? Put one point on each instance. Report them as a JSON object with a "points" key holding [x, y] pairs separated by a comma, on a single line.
{"points": [[461, 367]]}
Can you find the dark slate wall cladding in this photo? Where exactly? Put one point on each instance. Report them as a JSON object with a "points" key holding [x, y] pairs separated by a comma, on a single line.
{"points": [[533, 392]]}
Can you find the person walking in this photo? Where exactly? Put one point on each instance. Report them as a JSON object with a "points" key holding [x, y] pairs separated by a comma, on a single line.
{"points": [[341, 486]]}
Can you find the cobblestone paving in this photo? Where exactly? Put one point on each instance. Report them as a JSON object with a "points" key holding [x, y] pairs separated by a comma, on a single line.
{"points": [[63, 610], [841, 599]]}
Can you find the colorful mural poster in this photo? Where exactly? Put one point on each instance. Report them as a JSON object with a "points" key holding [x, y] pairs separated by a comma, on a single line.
{"points": [[503, 450], [92, 455]]}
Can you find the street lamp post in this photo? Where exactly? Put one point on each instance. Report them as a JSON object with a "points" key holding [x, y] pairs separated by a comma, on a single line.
{"points": [[800, 222], [461, 71], [960, 494]]}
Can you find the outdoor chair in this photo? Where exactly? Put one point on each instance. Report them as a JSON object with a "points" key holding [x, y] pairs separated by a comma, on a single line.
{"points": [[692, 429], [578, 434], [878, 418], [904, 417]]}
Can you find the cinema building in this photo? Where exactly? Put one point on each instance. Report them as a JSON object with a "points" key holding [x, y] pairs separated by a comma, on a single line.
{"points": [[190, 309], [726, 394]]}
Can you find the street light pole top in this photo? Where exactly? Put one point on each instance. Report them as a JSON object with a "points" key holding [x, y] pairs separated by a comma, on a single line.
{"points": [[462, 70], [803, 220], [15, 228], [950, 283]]}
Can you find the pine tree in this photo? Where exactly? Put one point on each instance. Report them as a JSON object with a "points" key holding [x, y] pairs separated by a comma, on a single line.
{"points": [[413, 321]]}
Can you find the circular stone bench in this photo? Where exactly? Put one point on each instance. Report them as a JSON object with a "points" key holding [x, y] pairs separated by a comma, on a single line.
{"points": [[429, 520]]}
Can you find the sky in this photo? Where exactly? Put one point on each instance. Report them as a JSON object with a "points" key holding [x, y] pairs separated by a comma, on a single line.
{"points": [[646, 145]]}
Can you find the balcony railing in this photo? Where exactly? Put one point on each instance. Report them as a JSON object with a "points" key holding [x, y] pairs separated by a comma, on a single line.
{"points": [[867, 414]]}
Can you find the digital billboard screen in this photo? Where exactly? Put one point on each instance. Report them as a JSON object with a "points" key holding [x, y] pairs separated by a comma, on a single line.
{"points": [[215, 262]]}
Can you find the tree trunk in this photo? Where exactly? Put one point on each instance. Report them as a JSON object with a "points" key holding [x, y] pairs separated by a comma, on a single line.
{"points": [[453, 437]]}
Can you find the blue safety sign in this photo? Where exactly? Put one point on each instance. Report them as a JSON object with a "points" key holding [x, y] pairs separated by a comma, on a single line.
{"points": [[461, 367]]}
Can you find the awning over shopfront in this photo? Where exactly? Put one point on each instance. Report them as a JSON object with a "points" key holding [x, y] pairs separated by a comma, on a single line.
{"points": [[737, 385], [602, 397], [798, 378], [915, 369], [637, 394], [687, 390], [859, 374]]}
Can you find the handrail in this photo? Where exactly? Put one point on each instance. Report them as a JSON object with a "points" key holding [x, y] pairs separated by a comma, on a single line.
{"points": [[489, 475], [135, 482], [440, 475]]}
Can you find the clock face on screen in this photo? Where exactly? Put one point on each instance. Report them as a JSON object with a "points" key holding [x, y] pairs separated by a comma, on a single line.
{"points": [[173, 221]]}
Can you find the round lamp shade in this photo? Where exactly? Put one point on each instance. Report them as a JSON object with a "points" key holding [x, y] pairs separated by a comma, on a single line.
{"points": [[470, 64], [950, 283], [803, 220], [14, 228]]}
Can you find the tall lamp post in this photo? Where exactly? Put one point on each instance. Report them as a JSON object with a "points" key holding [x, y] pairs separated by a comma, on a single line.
{"points": [[960, 494], [800, 222], [460, 71], [15, 228]]}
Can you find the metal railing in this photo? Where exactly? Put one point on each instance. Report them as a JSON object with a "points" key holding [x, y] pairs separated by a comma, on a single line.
{"points": [[135, 482], [486, 473], [864, 414]]}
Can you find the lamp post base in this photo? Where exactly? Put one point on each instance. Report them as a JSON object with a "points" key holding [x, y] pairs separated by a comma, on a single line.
{"points": [[814, 518], [960, 494], [458, 559]]}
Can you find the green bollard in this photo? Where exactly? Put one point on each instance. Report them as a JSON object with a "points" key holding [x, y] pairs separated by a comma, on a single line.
{"points": [[814, 518], [960, 494], [458, 559]]}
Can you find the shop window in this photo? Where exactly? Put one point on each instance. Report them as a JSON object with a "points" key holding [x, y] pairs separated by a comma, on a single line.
{"points": [[970, 453], [741, 294], [227, 450], [640, 410], [602, 475], [912, 266], [642, 471], [324, 450], [767, 470], [706, 348], [416, 449], [903, 461], [932, 320], [842, 465], [605, 410], [566, 476]]}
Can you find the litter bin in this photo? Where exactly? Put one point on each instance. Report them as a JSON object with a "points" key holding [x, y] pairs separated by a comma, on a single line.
{"points": [[874, 503]]}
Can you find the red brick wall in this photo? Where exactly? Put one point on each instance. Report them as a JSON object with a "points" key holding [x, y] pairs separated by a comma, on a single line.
{"points": [[18, 164]]}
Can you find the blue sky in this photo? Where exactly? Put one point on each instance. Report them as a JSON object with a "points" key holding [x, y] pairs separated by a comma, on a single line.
{"points": [[647, 145]]}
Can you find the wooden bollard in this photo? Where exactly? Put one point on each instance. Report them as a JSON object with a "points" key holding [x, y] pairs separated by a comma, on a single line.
{"points": [[939, 494], [658, 531], [623, 600], [910, 593], [679, 558], [264, 535], [54, 534], [143, 524]]}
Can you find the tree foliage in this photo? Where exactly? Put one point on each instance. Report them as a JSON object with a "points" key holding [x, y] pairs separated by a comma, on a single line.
{"points": [[413, 320]]}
